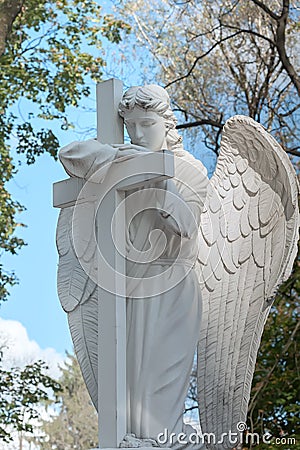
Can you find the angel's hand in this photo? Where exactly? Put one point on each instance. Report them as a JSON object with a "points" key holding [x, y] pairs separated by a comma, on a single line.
{"points": [[123, 155], [124, 147]]}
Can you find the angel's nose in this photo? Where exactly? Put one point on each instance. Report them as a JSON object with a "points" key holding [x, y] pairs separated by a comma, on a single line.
{"points": [[138, 132]]}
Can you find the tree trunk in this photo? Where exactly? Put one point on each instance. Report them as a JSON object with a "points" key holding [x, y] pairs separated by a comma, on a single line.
{"points": [[280, 44], [9, 10]]}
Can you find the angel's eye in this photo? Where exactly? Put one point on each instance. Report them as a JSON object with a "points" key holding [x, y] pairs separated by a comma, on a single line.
{"points": [[148, 123]]}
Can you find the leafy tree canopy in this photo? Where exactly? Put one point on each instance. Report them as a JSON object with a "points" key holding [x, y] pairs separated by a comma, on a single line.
{"points": [[275, 395], [76, 423], [22, 391]]}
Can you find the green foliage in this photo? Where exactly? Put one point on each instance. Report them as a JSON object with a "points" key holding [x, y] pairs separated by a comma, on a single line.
{"points": [[275, 397], [22, 390], [47, 61], [76, 424], [8, 207]]}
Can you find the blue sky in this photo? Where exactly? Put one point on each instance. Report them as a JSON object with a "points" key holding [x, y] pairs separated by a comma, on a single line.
{"points": [[34, 300]]}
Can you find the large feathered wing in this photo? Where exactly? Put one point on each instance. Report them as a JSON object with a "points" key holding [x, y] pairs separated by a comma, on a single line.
{"points": [[77, 291], [248, 243], [75, 237]]}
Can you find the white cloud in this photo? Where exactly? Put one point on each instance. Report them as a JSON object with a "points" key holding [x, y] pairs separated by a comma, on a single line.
{"points": [[19, 350]]}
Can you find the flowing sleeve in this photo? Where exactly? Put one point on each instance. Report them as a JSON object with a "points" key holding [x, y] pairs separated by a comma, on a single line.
{"points": [[89, 159], [182, 198]]}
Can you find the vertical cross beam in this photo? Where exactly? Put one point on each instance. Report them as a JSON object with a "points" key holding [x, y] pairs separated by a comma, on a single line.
{"points": [[110, 128], [153, 167], [111, 306]]}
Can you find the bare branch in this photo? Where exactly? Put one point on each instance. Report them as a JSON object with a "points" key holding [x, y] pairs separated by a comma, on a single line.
{"points": [[280, 45], [266, 9], [294, 152], [290, 112], [248, 31], [216, 45], [219, 125], [147, 39], [279, 42], [205, 33], [202, 56], [192, 408], [230, 10], [218, 135], [198, 123]]}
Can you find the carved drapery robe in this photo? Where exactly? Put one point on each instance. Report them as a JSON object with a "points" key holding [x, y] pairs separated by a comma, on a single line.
{"points": [[163, 316]]}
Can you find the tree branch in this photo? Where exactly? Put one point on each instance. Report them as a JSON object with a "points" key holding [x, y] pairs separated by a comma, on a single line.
{"points": [[147, 39], [202, 56], [268, 376], [280, 45], [220, 125], [266, 9], [198, 123], [294, 152], [247, 31], [196, 36], [190, 409], [216, 45], [290, 112], [280, 39]]}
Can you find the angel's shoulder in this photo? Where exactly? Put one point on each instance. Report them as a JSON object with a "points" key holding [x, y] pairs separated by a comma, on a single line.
{"points": [[188, 161]]}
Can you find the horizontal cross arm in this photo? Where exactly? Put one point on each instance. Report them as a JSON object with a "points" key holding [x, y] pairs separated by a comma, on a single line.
{"points": [[133, 173]]}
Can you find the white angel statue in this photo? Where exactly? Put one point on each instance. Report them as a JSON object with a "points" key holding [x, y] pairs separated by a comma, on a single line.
{"points": [[229, 242]]}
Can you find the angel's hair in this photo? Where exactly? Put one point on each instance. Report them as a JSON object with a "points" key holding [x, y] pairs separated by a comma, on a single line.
{"points": [[153, 98]]}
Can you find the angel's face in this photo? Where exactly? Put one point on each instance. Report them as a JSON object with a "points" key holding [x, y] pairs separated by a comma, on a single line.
{"points": [[146, 128]]}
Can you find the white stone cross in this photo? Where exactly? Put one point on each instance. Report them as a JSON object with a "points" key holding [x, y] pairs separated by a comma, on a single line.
{"points": [[135, 172]]}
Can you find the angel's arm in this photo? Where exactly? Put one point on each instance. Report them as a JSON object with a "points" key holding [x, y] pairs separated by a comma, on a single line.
{"points": [[181, 199], [92, 158], [82, 159]]}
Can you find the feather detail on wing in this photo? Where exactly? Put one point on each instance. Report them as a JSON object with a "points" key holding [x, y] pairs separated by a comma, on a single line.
{"points": [[83, 323], [77, 292], [248, 242]]}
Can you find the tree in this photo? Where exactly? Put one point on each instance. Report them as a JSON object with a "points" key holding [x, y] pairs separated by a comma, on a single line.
{"points": [[22, 391], [275, 390], [75, 425], [223, 58], [44, 60]]}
